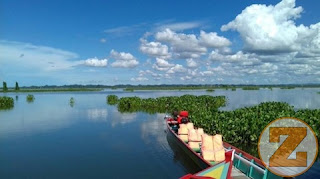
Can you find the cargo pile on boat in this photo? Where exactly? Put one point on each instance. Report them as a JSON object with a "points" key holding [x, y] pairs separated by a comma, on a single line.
{"points": [[210, 147]]}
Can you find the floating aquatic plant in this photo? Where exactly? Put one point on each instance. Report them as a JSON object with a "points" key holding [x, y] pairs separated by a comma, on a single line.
{"points": [[30, 98], [6, 102], [210, 90], [242, 125], [128, 89], [112, 99], [250, 88]]}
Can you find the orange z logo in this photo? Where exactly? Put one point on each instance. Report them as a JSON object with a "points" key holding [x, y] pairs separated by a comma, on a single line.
{"points": [[295, 137]]}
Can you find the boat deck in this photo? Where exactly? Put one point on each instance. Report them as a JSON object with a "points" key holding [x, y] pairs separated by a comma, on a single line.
{"points": [[237, 174]]}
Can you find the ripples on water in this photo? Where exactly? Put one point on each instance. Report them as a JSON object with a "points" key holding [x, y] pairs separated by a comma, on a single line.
{"points": [[50, 139]]}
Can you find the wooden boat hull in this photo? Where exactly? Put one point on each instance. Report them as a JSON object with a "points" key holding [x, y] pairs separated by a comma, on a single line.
{"points": [[194, 156]]}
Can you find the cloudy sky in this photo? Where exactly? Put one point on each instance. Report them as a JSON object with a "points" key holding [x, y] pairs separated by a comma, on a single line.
{"points": [[159, 42]]}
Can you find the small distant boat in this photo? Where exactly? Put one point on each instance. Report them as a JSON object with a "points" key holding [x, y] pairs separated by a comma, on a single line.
{"points": [[237, 163]]}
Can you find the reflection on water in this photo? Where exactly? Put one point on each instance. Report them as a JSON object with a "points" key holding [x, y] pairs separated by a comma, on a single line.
{"points": [[152, 127], [97, 114], [180, 157], [122, 118], [27, 119]]}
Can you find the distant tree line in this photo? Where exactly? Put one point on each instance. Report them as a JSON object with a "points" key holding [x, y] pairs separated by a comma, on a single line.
{"points": [[162, 86], [172, 86]]}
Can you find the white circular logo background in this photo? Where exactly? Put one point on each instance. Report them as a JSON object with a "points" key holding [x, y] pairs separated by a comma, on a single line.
{"points": [[288, 147]]}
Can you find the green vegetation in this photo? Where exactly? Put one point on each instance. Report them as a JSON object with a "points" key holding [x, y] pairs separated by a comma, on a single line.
{"points": [[128, 89], [6, 102], [250, 88], [242, 125], [209, 86], [233, 89], [4, 88], [177, 87], [210, 90], [193, 104], [112, 99], [30, 98], [17, 86], [287, 87], [75, 88], [319, 92], [59, 90], [71, 101]]}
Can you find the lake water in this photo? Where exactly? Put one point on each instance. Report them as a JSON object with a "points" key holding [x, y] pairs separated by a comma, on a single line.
{"points": [[48, 138]]}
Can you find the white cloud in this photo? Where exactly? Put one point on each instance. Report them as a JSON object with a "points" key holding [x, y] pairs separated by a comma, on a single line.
{"points": [[149, 72], [271, 29], [268, 68], [139, 79], [123, 60], [239, 57], [103, 40], [179, 26], [154, 49], [162, 64], [193, 72], [212, 40], [95, 62], [124, 30], [177, 69], [167, 76], [41, 58], [206, 73], [156, 67], [186, 78], [184, 45], [191, 63]]}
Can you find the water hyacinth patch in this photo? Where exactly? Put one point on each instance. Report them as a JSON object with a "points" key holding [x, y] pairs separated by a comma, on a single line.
{"points": [[6, 102], [210, 90], [112, 99], [242, 125], [250, 88], [128, 89], [190, 103], [30, 98]]}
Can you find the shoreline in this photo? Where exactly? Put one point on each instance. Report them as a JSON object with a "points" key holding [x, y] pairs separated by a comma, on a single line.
{"points": [[53, 90]]}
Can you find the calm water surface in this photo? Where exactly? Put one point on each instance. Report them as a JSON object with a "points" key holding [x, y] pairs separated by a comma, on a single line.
{"points": [[48, 138]]}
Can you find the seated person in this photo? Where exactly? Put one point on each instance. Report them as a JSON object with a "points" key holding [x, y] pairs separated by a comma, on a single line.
{"points": [[183, 117]]}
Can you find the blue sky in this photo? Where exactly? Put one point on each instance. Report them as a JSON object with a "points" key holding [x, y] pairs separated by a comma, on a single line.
{"points": [[159, 42]]}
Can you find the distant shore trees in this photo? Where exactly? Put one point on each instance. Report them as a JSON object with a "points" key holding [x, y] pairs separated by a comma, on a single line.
{"points": [[4, 88], [17, 86]]}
